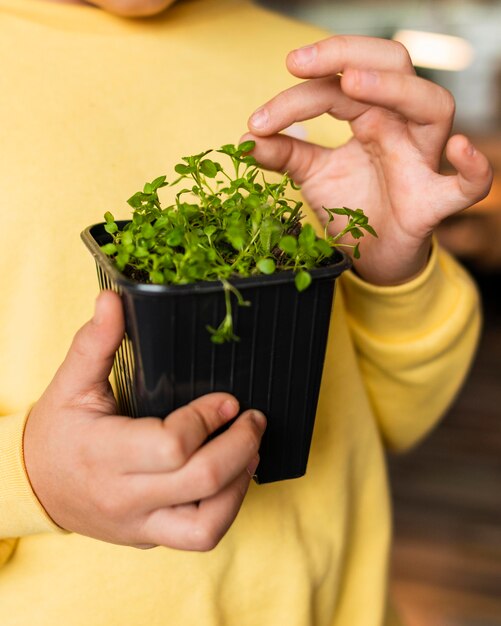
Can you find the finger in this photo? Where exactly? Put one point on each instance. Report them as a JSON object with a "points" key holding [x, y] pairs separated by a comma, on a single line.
{"points": [[427, 106], [282, 153], [207, 472], [199, 528], [474, 176], [133, 9], [90, 357], [340, 52], [304, 102], [150, 445]]}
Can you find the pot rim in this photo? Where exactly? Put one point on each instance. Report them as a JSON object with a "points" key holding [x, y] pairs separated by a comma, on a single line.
{"points": [[89, 236]]}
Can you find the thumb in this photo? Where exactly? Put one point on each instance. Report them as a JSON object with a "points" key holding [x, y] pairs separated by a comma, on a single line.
{"points": [[90, 357], [474, 175], [284, 153]]}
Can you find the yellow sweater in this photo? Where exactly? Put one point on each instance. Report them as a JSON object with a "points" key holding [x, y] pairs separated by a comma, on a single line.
{"points": [[91, 106]]}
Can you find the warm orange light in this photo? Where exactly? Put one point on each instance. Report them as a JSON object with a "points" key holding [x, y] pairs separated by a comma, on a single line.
{"points": [[435, 50]]}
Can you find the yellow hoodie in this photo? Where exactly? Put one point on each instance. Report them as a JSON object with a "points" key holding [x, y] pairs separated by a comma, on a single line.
{"points": [[91, 106]]}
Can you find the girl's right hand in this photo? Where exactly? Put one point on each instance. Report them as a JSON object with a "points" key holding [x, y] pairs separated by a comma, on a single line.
{"points": [[137, 482]]}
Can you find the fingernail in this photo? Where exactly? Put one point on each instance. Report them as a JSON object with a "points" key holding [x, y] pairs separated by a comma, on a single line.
{"points": [[98, 311], [258, 418], [259, 119], [252, 467], [471, 151], [229, 408], [305, 55]]}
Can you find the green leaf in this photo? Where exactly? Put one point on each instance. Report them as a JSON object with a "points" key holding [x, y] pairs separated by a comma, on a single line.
{"points": [[156, 277], [253, 200], [289, 245], [216, 336], [135, 201], [236, 235], [161, 222], [175, 237], [183, 169], [270, 233], [342, 211], [121, 260], [210, 230], [266, 266], [127, 238], [188, 210], [370, 230], [324, 248], [302, 280], [147, 231], [307, 239], [227, 227], [249, 160], [141, 252], [307, 236], [228, 149], [159, 182], [111, 228], [247, 146], [209, 168], [109, 248]]}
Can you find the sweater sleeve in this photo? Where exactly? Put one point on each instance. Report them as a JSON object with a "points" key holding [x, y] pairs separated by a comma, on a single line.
{"points": [[20, 510], [415, 344]]}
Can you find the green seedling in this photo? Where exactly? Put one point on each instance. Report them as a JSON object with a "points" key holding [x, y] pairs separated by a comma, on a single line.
{"points": [[225, 223]]}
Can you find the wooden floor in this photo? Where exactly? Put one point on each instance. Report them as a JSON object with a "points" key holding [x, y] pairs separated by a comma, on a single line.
{"points": [[447, 498]]}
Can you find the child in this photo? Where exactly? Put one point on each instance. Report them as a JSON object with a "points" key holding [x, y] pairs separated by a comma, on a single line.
{"points": [[92, 106]]}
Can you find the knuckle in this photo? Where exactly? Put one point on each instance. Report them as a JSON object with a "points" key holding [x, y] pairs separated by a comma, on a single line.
{"points": [[449, 104], [112, 507], [402, 56], [171, 452], [301, 165], [340, 40], [210, 479], [205, 537], [199, 417], [342, 44], [107, 508]]}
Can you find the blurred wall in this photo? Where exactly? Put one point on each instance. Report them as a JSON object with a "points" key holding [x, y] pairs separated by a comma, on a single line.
{"points": [[477, 89]]}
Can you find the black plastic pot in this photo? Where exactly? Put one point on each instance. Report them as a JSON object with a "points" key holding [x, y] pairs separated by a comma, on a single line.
{"points": [[168, 359]]}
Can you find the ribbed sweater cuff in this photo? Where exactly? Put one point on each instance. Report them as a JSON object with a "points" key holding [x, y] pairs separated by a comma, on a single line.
{"points": [[20, 510], [398, 314]]}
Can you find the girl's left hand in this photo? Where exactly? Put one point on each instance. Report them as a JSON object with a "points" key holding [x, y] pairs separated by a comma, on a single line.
{"points": [[401, 125]]}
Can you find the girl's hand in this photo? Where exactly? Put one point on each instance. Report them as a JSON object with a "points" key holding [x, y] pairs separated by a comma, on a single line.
{"points": [[390, 168], [139, 482]]}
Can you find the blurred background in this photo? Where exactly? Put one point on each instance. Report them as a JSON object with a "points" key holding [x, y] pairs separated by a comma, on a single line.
{"points": [[446, 568]]}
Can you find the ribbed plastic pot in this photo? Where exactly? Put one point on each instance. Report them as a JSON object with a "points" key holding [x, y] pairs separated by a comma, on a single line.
{"points": [[167, 358]]}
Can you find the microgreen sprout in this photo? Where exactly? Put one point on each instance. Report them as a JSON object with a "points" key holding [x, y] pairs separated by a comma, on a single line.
{"points": [[223, 226]]}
